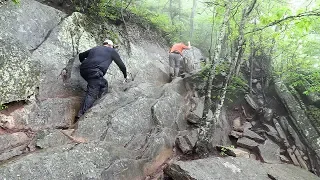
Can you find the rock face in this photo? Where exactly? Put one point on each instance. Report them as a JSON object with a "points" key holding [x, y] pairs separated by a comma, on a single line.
{"points": [[132, 127], [300, 119], [18, 73], [234, 168], [129, 133], [29, 28], [84, 161]]}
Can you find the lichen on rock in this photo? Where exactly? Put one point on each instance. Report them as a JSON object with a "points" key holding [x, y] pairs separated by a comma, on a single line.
{"points": [[19, 74]]}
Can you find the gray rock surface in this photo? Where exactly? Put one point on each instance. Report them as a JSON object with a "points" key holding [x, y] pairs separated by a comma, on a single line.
{"points": [[29, 28], [187, 142], [51, 138], [268, 113], [235, 168], [270, 152], [83, 161], [18, 73], [247, 143], [8, 141], [299, 117], [12, 145], [196, 114], [252, 135], [128, 134]]}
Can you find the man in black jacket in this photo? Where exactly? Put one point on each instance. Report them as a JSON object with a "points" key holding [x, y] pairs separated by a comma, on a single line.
{"points": [[94, 65]]}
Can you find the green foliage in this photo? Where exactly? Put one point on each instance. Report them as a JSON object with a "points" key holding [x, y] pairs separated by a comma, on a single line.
{"points": [[224, 150], [222, 67], [314, 112], [3, 107], [205, 70], [237, 87], [16, 1]]}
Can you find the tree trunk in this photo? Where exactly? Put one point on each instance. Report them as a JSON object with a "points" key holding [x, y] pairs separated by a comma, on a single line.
{"points": [[205, 134], [179, 10], [208, 126], [171, 12], [245, 13], [194, 7]]}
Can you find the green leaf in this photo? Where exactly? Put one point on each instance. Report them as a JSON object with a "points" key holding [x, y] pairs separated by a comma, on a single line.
{"points": [[16, 1]]}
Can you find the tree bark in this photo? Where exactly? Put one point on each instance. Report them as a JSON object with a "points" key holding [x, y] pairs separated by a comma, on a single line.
{"points": [[180, 27], [245, 13], [194, 8], [171, 12], [207, 125]]}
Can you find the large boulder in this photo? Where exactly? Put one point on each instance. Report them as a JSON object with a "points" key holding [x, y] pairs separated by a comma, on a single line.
{"points": [[18, 73], [94, 160], [235, 168], [299, 117], [30, 28], [192, 59]]}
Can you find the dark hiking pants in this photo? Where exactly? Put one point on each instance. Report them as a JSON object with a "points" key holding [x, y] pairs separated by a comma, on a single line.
{"points": [[97, 85]]}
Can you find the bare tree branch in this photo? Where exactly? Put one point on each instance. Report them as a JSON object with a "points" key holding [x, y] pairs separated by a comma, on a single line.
{"points": [[251, 7], [304, 14]]}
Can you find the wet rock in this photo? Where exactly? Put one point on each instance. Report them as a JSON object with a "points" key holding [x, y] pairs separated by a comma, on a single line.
{"points": [[221, 134], [252, 135], [157, 150], [247, 143], [193, 118], [253, 123], [192, 60], [238, 152], [270, 152], [234, 168]]}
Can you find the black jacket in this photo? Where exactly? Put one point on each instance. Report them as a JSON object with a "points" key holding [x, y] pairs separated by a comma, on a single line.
{"points": [[101, 57]]}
